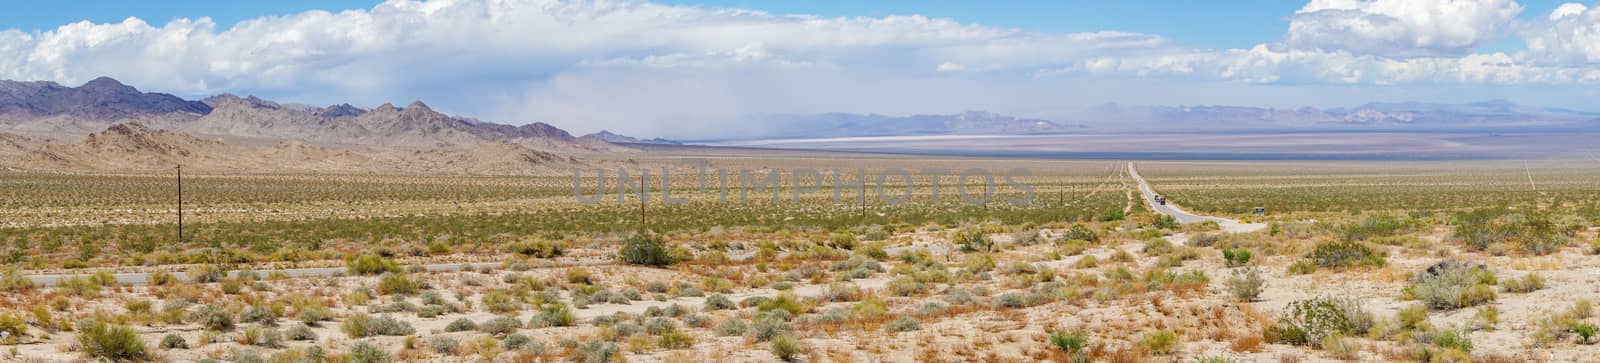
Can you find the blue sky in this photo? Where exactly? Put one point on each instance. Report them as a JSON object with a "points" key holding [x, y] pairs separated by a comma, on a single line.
{"points": [[1216, 24], [650, 67]]}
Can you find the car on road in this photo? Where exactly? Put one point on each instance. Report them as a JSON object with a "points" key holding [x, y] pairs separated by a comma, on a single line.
{"points": [[1160, 200]]}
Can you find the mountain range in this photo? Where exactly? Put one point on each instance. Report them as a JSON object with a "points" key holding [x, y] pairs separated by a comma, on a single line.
{"points": [[1390, 116], [105, 125], [833, 125]]}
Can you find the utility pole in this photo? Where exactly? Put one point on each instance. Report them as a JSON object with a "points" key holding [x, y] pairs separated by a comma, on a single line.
{"points": [[643, 193], [180, 204]]}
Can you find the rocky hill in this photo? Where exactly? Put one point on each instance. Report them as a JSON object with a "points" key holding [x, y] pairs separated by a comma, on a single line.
{"points": [[109, 126]]}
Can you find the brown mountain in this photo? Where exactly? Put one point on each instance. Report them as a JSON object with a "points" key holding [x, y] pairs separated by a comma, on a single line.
{"points": [[131, 147], [129, 130], [49, 109]]}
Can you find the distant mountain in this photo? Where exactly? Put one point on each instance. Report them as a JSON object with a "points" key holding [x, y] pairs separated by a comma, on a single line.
{"points": [[1408, 116], [610, 137], [858, 125], [131, 147], [46, 108], [101, 98], [131, 130]]}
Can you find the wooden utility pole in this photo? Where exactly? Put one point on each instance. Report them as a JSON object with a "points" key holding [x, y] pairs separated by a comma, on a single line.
{"points": [[180, 204], [643, 193]]}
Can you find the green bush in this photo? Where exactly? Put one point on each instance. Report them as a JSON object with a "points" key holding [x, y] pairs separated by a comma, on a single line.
{"points": [[299, 332], [174, 341], [785, 347], [645, 248], [12, 327], [719, 302], [972, 239], [370, 264], [1584, 331], [363, 352], [213, 318], [362, 325], [1528, 283], [110, 342], [1079, 232], [536, 248], [1235, 257], [1069, 342], [1311, 321], [1160, 342], [1452, 285], [397, 284], [462, 324], [11, 280], [1343, 254], [553, 314]]}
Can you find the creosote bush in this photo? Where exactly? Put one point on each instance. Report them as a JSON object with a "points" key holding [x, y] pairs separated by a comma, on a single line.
{"points": [[370, 264], [111, 342], [1246, 284], [645, 248], [1311, 321], [1452, 285], [1344, 254]]}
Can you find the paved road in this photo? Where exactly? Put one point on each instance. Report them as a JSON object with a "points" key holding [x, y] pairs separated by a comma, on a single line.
{"points": [[1184, 217]]}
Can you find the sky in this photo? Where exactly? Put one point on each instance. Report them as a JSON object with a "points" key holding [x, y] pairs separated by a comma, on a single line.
{"points": [[685, 68]]}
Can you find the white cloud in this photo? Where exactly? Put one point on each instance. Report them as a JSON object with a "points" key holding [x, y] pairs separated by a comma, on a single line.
{"points": [[1400, 28], [575, 62], [1570, 35], [1263, 64]]}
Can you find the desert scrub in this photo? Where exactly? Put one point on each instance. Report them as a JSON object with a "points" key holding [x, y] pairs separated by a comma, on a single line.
{"points": [[1071, 343], [362, 325], [731, 326], [174, 341], [535, 248], [553, 314], [1235, 257], [785, 347], [1525, 284], [972, 239], [299, 332], [1345, 254], [363, 352], [644, 248], [719, 302], [1160, 342], [213, 318], [370, 264], [1452, 285], [12, 280], [462, 324], [111, 342], [903, 324], [1246, 284], [397, 284], [1310, 321], [500, 325]]}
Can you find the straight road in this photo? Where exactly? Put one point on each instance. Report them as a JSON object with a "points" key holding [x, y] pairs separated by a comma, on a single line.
{"points": [[1184, 217]]}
